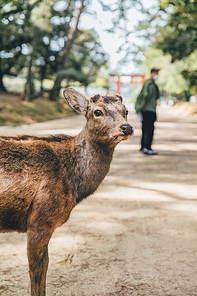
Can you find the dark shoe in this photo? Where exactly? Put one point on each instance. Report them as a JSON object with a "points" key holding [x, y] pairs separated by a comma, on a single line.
{"points": [[149, 151], [141, 149]]}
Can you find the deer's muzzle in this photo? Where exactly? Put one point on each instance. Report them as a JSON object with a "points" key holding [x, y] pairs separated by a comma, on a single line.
{"points": [[127, 129]]}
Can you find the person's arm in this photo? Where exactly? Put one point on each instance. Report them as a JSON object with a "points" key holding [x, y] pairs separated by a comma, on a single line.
{"points": [[148, 90], [151, 91], [145, 90]]}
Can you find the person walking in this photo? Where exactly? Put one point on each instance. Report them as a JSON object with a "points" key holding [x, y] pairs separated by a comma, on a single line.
{"points": [[149, 95]]}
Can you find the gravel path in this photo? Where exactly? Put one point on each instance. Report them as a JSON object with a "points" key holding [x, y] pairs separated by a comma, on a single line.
{"points": [[137, 235]]}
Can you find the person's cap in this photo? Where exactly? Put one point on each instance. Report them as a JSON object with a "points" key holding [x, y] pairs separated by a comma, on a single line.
{"points": [[154, 70]]}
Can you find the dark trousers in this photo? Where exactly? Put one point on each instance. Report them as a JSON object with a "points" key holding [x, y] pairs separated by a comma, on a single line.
{"points": [[147, 129]]}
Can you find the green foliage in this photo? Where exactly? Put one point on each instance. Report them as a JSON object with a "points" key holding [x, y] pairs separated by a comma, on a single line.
{"points": [[170, 77], [33, 40], [170, 41], [13, 36], [179, 36], [85, 60], [39, 39]]}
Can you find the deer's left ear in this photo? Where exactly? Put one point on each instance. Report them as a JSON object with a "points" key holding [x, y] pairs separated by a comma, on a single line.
{"points": [[76, 100]]}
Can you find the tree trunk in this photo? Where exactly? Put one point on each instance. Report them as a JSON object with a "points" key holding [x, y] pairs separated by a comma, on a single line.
{"points": [[67, 49], [56, 88], [2, 86], [29, 89]]}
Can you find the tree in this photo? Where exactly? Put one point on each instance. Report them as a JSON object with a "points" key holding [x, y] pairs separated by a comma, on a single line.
{"points": [[72, 34], [65, 52], [13, 35], [169, 29], [178, 36], [43, 38], [84, 61], [170, 80]]}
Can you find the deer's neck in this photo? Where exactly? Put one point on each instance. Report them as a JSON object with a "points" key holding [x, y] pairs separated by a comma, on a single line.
{"points": [[88, 165]]}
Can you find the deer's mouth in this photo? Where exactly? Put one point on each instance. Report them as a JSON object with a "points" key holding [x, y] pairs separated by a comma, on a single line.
{"points": [[121, 136], [125, 131]]}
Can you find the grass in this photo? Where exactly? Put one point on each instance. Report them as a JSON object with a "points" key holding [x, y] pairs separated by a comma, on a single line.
{"points": [[187, 108], [15, 112]]}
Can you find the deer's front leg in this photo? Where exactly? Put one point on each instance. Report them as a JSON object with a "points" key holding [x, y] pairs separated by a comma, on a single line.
{"points": [[37, 252]]}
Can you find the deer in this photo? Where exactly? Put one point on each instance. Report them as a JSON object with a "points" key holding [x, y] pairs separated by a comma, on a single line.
{"points": [[43, 178]]}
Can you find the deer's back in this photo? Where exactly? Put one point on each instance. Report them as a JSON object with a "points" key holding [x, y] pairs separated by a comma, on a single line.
{"points": [[31, 185]]}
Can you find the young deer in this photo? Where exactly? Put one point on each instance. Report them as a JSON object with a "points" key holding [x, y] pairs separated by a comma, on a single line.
{"points": [[42, 179]]}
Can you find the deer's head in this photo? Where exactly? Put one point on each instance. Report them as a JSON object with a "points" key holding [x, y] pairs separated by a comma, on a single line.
{"points": [[106, 116]]}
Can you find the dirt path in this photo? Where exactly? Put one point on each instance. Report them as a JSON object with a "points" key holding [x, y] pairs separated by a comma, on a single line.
{"points": [[137, 235]]}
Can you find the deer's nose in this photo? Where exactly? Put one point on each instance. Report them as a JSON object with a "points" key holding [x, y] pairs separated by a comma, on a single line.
{"points": [[126, 129]]}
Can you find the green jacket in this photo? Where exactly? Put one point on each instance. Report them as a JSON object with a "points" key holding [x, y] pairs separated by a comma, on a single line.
{"points": [[151, 93]]}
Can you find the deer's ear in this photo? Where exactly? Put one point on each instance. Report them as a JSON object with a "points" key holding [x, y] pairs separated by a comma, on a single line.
{"points": [[76, 101], [111, 92]]}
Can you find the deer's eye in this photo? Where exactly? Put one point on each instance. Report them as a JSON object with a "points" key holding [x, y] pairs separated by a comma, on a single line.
{"points": [[98, 113], [127, 112]]}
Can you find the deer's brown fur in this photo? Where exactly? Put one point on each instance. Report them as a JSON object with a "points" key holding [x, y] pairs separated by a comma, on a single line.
{"points": [[42, 179]]}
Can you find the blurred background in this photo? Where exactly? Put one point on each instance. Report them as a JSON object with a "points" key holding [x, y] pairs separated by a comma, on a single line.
{"points": [[47, 45], [137, 234]]}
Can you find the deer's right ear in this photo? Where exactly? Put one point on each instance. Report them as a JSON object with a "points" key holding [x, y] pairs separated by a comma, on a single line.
{"points": [[76, 101], [111, 92]]}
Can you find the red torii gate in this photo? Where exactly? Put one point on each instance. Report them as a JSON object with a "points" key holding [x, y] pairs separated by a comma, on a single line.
{"points": [[135, 79]]}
